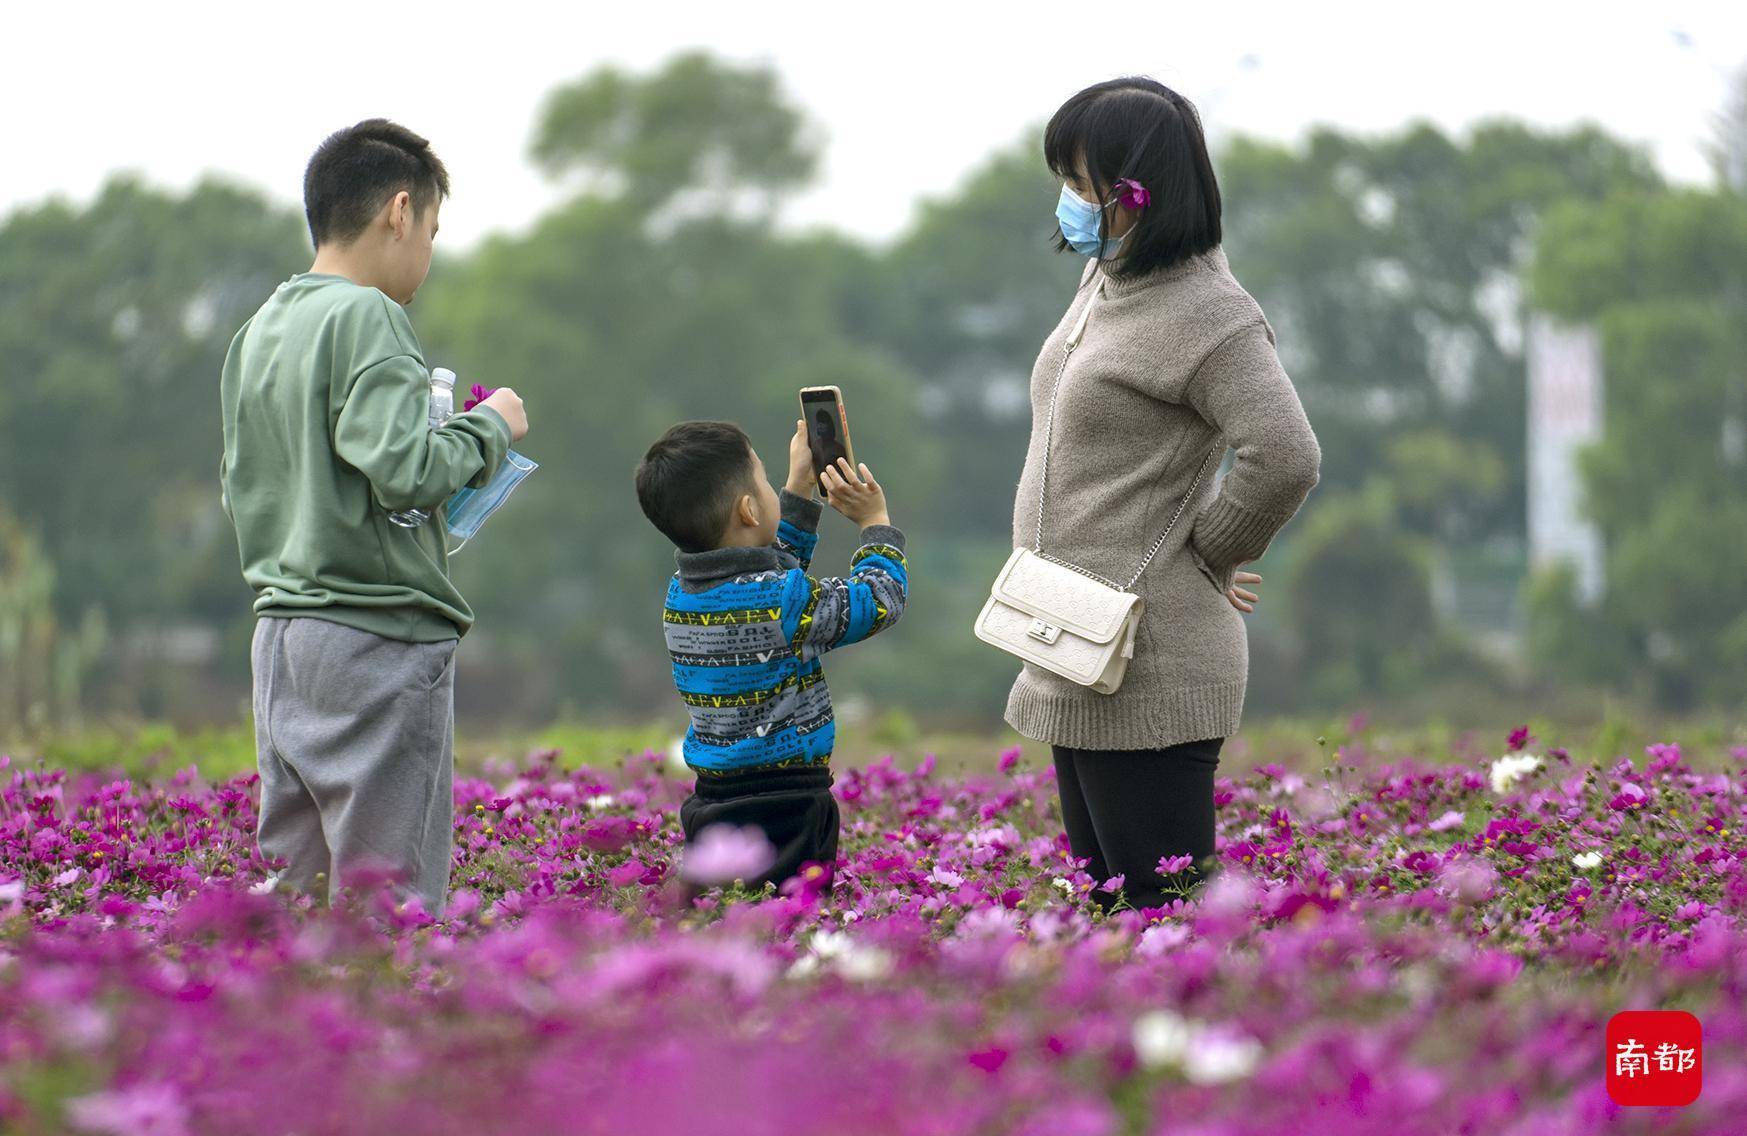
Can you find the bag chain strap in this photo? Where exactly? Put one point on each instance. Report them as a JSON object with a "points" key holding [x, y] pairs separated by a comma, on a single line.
{"points": [[1073, 341]]}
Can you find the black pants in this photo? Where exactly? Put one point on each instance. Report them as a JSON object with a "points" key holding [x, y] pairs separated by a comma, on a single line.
{"points": [[793, 807], [1126, 809]]}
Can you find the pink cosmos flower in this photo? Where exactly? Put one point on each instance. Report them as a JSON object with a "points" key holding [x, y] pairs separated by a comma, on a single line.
{"points": [[1631, 796], [1520, 737], [988, 1060], [154, 1108], [1133, 194], [1171, 865], [1468, 880], [480, 394], [723, 853], [1450, 819]]}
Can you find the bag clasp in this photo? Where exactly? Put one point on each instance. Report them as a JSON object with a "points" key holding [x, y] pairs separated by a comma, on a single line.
{"points": [[1044, 631]]}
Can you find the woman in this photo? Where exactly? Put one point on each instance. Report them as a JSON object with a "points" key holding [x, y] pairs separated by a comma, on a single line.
{"points": [[1176, 362]]}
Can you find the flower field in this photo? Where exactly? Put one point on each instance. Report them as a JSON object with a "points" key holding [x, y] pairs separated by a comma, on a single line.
{"points": [[1429, 944]]}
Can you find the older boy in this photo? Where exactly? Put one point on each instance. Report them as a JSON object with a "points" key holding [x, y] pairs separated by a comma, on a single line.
{"points": [[325, 399]]}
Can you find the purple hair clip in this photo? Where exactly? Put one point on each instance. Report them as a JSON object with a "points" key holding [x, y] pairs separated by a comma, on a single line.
{"points": [[480, 394], [1133, 194]]}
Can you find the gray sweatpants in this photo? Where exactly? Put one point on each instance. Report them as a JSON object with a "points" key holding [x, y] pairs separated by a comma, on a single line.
{"points": [[355, 739]]}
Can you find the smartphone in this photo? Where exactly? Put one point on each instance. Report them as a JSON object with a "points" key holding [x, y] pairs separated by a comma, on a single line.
{"points": [[827, 428]]}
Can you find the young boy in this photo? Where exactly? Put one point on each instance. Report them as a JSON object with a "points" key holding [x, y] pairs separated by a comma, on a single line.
{"points": [[746, 626], [325, 400]]}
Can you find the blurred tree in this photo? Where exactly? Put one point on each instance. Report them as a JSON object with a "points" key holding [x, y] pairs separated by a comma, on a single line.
{"points": [[660, 291], [974, 289], [43, 663], [1664, 277], [1361, 602], [114, 320], [1388, 267], [616, 321], [697, 124]]}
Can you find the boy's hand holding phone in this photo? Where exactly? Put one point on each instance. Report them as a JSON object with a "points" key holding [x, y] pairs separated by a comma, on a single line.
{"points": [[859, 498], [801, 481]]}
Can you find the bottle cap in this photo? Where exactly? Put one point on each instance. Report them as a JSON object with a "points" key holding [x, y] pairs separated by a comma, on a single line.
{"points": [[443, 376]]}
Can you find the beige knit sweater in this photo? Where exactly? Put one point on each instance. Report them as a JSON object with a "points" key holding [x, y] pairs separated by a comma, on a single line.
{"points": [[1171, 366]]}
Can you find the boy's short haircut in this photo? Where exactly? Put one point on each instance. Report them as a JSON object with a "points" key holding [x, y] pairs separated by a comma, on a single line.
{"points": [[355, 171], [691, 478]]}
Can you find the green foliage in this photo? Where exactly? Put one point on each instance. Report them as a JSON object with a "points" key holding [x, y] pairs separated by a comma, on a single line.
{"points": [[43, 661], [658, 291], [1387, 266], [1665, 278], [153, 749], [114, 321], [695, 124], [972, 292], [1361, 599], [716, 319]]}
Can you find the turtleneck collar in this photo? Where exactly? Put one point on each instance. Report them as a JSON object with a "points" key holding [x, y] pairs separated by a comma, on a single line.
{"points": [[1213, 259], [718, 564]]}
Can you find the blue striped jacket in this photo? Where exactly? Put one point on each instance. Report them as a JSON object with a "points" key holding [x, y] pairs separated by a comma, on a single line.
{"points": [[746, 628]]}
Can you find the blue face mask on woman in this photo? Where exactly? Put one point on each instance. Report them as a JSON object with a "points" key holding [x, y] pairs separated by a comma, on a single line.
{"points": [[1079, 223]]}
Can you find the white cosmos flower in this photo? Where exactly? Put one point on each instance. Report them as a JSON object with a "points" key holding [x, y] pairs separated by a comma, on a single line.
{"points": [[1587, 860], [1160, 1038], [864, 964], [1215, 1058], [599, 802], [829, 944], [848, 957], [1507, 771]]}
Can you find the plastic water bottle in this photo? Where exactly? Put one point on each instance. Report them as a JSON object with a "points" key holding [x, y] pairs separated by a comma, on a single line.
{"points": [[442, 406]]}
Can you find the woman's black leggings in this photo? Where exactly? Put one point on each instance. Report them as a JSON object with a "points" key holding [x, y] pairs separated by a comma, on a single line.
{"points": [[1126, 809]]}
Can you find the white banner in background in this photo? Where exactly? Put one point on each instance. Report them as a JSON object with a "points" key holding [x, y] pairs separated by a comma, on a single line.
{"points": [[1565, 413]]}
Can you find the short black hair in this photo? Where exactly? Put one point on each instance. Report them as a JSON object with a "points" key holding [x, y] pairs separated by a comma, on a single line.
{"points": [[1139, 128], [691, 478], [356, 170]]}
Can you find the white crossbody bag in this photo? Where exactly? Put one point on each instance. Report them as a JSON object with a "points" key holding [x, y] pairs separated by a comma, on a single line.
{"points": [[1061, 617]]}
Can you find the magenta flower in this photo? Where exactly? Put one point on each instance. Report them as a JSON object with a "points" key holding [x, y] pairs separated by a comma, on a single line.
{"points": [[1468, 880], [480, 394], [1630, 796], [723, 853], [1009, 758], [1133, 194], [1171, 865], [1520, 737], [953, 955], [988, 1060]]}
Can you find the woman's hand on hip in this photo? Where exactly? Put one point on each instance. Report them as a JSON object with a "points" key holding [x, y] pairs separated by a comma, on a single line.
{"points": [[1242, 598]]}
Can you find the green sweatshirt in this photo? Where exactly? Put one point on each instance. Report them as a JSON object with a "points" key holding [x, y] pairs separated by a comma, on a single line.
{"points": [[325, 398]]}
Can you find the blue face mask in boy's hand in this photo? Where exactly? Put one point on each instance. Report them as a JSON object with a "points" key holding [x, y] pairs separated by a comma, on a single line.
{"points": [[467, 510], [1079, 223]]}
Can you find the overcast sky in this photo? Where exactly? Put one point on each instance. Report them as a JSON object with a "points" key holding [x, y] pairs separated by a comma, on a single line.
{"points": [[908, 97]]}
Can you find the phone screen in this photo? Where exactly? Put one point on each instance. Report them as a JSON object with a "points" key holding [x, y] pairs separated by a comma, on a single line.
{"points": [[827, 433]]}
